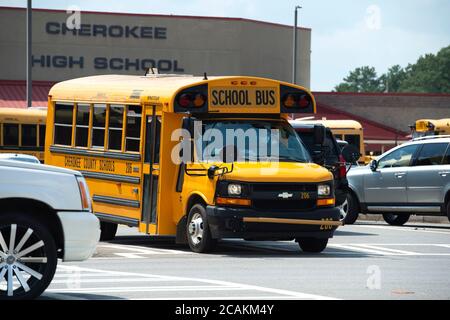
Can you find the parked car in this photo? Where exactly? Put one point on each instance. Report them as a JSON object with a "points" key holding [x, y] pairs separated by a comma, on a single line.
{"points": [[45, 214], [19, 157], [413, 178], [329, 154]]}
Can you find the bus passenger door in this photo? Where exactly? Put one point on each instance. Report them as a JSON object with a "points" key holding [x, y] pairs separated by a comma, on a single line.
{"points": [[151, 173]]}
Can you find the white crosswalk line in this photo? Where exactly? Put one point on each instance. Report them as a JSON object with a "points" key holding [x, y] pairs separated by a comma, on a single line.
{"points": [[137, 251], [114, 280], [402, 252], [200, 286], [361, 249], [443, 245], [149, 289]]}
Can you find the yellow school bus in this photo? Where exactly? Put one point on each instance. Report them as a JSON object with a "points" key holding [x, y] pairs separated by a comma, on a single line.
{"points": [[23, 131], [430, 127], [347, 130], [164, 153]]}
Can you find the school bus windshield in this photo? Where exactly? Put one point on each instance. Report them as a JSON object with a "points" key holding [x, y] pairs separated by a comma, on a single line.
{"points": [[250, 141]]}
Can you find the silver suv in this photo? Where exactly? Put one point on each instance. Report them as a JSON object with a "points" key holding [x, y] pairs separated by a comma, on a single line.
{"points": [[413, 178]]}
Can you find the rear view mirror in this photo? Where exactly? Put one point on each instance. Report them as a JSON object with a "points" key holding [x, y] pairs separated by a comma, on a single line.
{"points": [[319, 134], [350, 153], [374, 165]]}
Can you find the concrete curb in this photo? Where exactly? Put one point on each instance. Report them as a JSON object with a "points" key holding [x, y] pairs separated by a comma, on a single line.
{"points": [[413, 218]]}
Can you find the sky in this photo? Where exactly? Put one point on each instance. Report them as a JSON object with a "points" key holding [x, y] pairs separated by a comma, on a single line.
{"points": [[345, 34]]}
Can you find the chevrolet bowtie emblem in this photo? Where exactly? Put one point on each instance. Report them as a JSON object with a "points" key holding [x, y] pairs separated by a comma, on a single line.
{"points": [[285, 195]]}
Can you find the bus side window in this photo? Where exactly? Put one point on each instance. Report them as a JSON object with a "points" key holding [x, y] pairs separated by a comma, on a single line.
{"points": [[10, 134], [133, 130], [41, 135], [63, 124], [115, 127], [29, 135], [98, 126], [82, 125]]}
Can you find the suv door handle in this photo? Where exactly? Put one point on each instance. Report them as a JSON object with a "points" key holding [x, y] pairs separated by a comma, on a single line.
{"points": [[444, 173], [400, 174]]}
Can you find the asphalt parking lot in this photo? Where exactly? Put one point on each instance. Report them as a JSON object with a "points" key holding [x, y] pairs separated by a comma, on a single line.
{"points": [[368, 260]]}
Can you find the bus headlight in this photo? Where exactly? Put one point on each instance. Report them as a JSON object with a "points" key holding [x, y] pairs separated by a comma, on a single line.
{"points": [[323, 190], [234, 189]]}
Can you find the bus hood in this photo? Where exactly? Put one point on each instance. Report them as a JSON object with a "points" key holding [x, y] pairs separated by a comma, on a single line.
{"points": [[278, 172]]}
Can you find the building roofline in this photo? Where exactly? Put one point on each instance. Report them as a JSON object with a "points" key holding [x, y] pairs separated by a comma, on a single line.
{"points": [[381, 94], [162, 16], [362, 119], [23, 82]]}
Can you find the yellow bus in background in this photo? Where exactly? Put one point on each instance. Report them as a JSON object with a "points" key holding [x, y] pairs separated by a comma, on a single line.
{"points": [[346, 130], [23, 131], [141, 142], [430, 127]]}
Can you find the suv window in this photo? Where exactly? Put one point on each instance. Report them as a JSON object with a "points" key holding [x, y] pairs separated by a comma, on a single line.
{"points": [[398, 158], [331, 151], [431, 154], [447, 157]]}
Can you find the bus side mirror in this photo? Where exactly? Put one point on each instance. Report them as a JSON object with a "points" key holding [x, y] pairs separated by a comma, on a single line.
{"points": [[318, 157], [319, 135], [374, 165], [350, 153], [212, 171]]}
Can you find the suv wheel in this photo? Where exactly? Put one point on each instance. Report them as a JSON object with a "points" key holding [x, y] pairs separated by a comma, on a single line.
{"points": [[448, 210], [198, 234], [352, 211], [28, 257], [396, 219], [312, 245]]}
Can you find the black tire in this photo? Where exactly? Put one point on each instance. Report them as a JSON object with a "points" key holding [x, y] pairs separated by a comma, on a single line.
{"points": [[108, 231], [312, 245], [396, 219], [197, 230], [448, 210], [353, 209], [35, 276]]}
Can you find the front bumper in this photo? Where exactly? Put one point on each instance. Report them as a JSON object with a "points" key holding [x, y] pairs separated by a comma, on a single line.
{"points": [[229, 222], [81, 234]]}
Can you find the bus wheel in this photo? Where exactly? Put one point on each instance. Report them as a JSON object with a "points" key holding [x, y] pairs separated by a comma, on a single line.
{"points": [[107, 231], [396, 219], [312, 245], [199, 236], [28, 257]]}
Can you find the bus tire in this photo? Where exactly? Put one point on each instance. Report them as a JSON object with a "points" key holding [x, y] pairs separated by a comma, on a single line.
{"points": [[108, 231], [197, 230], [34, 270], [352, 209], [396, 219], [312, 245]]}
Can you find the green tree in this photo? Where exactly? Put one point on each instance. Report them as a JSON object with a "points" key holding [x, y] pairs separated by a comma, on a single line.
{"points": [[430, 74], [393, 79], [363, 79]]}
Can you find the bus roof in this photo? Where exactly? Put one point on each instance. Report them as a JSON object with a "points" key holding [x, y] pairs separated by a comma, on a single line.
{"points": [[18, 115], [439, 124], [131, 89], [335, 124]]}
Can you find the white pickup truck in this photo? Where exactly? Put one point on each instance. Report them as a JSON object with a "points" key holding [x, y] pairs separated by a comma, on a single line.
{"points": [[45, 214]]}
